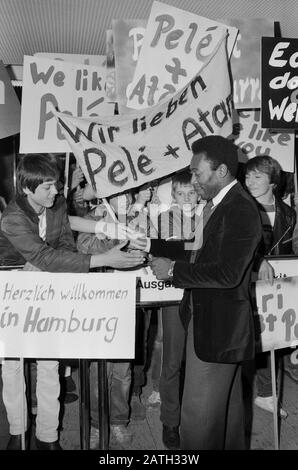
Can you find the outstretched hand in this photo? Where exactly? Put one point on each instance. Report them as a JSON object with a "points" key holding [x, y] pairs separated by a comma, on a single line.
{"points": [[116, 258]]}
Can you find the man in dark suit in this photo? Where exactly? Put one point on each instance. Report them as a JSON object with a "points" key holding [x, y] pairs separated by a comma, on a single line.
{"points": [[216, 307]]}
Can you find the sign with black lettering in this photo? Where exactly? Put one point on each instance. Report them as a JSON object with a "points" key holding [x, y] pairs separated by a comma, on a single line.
{"points": [[279, 83], [10, 108], [75, 89], [178, 43], [121, 152], [77, 316], [151, 290]]}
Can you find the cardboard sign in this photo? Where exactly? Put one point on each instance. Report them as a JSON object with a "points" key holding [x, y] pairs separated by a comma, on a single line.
{"points": [[72, 88], [96, 60], [151, 290], [178, 43], [279, 83], [10, 108], [277, 319], [122, 152], [284, 267], [253, 140], [246, 59], [67, 316], [128, 39]]}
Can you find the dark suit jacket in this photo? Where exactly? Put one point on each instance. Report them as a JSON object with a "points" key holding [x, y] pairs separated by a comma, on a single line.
{"points": [[219, 281]]}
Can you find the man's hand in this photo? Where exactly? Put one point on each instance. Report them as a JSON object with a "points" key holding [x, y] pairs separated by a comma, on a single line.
{"points": [[266, 272], [160, 267], [115, 258], [76, 178], [78, 196]]}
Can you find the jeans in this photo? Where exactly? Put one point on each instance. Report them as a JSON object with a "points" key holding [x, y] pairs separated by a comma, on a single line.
{"points": [[47, 393], [212, 415], [173, 351], [119, 382]]}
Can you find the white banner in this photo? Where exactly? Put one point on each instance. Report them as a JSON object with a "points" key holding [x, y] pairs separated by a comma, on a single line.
{"points": [[72, 88], [152, 290], [284, 267], [277, 319], [67, 315], [10, 108], [96, 60], [178, 43], [120, 152]]}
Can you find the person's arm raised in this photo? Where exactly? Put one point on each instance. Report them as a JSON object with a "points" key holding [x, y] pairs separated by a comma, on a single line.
{"points": [[115, 258]]}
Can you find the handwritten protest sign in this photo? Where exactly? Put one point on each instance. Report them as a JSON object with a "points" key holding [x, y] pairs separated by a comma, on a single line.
{"points": [[279, 83], [286, 266], [246, 59], [178, 43], [122, 152], [253, 140], [277, 319], [75, 89], [96, 60], [75, 316], [151, 290], [10, 108], [128, 38]]}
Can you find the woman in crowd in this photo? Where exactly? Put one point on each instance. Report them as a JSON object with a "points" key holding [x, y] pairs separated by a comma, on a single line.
{"points": [[262, 179]]}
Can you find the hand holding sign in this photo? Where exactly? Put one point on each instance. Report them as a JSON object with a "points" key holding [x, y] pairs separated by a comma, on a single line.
{"points": [[77, 177], [266, 272]]}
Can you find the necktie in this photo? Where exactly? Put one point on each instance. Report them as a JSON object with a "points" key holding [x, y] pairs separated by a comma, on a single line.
{"points": [[206, 214]]}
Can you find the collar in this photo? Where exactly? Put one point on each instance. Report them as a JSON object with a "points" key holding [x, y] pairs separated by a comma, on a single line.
{"points": [[219, 197]]}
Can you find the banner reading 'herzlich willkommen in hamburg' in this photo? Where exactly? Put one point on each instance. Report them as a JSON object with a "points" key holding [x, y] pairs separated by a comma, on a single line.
{"points": [[120, 152]]}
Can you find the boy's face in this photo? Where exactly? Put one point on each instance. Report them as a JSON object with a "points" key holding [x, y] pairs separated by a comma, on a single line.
{"points": [[43, 196], [185, 194], [258, 183]]}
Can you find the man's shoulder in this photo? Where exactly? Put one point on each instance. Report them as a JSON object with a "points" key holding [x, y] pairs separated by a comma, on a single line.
{"points": [[11, 211], [241, 205], [237, 195], [284, 207]]}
